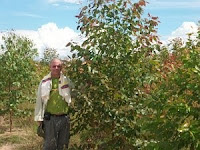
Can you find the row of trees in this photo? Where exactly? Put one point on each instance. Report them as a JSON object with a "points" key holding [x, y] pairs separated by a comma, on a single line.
{"points": [[133, 93], [130, 91]]}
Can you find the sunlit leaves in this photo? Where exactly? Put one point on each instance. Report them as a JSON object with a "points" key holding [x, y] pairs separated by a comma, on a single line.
{"points": [[49, 54], [109, 70], [131, 92], [176, 98], [17, 71]]}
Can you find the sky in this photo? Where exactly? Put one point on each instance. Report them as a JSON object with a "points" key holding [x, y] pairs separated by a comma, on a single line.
{"points": [[52, 23]]}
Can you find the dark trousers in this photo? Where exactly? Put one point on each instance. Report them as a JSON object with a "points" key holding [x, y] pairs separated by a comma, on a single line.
{"points": [[56, 133]]}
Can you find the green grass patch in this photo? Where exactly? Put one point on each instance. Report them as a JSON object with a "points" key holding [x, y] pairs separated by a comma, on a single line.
{"points": [[14, 139]]}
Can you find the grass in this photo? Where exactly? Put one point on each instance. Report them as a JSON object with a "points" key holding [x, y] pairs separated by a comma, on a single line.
{"points": [[23, 135]]}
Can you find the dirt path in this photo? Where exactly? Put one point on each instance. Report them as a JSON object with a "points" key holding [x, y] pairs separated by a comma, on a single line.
{"points": [[9, 135], [18, 139], [7, 147]]}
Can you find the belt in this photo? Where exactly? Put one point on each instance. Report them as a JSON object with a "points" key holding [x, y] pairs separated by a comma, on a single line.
{"points": [[58, 115]]}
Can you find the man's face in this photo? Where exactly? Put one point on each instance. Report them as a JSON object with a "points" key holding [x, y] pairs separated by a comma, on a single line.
{"points": [[55, 68]]}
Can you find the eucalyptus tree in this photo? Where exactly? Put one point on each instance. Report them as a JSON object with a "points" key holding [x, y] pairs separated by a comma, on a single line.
{"points": [[17, 72]]}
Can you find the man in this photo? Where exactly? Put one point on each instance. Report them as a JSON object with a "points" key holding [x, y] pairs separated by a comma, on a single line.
{"points": [[52, 106]]}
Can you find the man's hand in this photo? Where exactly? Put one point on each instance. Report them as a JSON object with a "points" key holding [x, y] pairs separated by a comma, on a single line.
{"points": [[40, 129], [39, 122]]}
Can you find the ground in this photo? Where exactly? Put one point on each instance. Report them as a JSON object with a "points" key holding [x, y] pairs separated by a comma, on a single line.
{"points": [[23, 135]]}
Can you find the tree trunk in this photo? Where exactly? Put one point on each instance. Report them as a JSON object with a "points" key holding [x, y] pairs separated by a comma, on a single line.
{"points": [[10, 121]]}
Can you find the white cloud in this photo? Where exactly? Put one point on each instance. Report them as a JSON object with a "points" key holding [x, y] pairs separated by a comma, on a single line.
{"points": [[26, 14], [55, 4], [65, 1], [161, 4], [50, 36], [183, 31], [1, 41]]}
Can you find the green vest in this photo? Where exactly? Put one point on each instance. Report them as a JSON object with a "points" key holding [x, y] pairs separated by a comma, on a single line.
{"points": [[56, 104]]}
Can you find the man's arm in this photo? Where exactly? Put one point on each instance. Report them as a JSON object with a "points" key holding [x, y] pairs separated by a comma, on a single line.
{"points": [[38, 106]]}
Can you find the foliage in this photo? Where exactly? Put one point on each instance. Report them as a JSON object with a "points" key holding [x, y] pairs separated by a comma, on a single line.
{"points": [[127, 96], [17, 72], [110, 70], [49, 54], [175, 99]]}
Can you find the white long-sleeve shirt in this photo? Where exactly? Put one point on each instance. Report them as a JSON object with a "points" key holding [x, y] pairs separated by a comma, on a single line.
{"points": [[44, 92]]}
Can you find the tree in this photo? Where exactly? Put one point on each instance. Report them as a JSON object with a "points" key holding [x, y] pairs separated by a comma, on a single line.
{"points": [[110, 70], [49, 54], [17, 72], [175, 99]]}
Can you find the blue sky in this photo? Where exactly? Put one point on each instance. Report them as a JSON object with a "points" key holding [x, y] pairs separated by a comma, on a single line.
{"points": [[31, 14], [173, 13], [42, 19]]}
